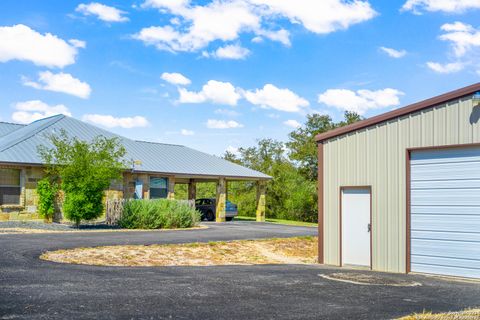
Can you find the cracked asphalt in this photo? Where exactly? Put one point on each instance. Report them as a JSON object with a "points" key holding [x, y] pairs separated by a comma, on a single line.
{"points": [[34, 289]]}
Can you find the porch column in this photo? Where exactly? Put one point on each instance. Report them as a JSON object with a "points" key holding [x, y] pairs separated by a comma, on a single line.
{"points": [[192, 190], [221, 200], [261, 195], [171, 188]]}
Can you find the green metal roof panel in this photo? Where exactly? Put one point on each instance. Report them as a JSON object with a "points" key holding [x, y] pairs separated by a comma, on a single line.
{"points": [[20, 146]]}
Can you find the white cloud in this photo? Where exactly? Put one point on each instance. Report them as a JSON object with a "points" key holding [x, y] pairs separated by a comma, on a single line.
{"points": [[292, 123], [201, 25], [32, 110], [446, 68], [222, 124], [112, 122], [394, 53], [282, 36], [464, 40], [449, 6], [360, 101], [78, 43], [280, 99], [462, 37], [175, 78], [19, 42], [185, 132], [232, 51], [320, 16], [233, 150], [60, 82], [213, 91], [195, 26], [102, 12]]}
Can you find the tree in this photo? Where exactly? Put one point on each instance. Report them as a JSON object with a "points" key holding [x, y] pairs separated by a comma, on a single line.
{"points": [[85, 169], [47, 189], [292, 192], [302, 145]]}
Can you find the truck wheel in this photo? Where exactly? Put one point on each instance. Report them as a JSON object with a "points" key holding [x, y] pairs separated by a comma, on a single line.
{"points": [[210, 216]]}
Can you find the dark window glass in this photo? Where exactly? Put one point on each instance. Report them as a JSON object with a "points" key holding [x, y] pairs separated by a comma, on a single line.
{"points": [[158, 188], [9, 186]]}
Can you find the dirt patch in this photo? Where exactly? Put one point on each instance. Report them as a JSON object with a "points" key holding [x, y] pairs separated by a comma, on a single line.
{"points": [[302, 250], [473, 314], [370, 279]]}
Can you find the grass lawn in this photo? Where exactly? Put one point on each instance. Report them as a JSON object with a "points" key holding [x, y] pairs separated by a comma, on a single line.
{"points": [[279, 221], [299, 250]]}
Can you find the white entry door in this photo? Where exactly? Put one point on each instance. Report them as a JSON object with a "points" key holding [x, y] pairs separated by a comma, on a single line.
{"points": [[356, 226]]}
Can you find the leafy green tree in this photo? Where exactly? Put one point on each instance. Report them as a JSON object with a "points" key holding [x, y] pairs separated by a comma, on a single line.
{"points": [[86, 170], [302, 146], [291, 194], [47, 190]]}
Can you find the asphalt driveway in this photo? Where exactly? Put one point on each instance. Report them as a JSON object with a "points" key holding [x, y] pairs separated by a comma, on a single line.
{"points": [[34, 289]]}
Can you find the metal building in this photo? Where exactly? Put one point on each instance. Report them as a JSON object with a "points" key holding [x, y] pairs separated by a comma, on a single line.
{"points": [[400, 192]]}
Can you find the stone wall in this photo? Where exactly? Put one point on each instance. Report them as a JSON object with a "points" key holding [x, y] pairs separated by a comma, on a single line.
{"points": [[27, 208]]}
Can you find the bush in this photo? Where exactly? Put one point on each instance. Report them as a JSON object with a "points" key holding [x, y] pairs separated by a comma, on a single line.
{"points": [[85, 169], [47, 192], [158, 214]]}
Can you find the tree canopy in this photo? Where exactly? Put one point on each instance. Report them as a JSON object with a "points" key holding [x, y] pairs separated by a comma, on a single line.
{"points": [[292, 165], [85, 170]]}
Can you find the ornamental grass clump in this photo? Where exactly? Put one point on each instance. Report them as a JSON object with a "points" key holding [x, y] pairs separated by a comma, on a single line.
{"points": [[158, 214]]}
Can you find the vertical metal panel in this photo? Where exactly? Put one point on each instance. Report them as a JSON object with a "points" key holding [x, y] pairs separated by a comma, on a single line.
{"points": [[382, 147]]}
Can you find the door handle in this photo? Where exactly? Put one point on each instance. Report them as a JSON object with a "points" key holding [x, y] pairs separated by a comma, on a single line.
{"points": [[369, 227]]}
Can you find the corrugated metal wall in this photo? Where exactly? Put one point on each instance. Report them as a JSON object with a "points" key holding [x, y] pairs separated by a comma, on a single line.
{"points": [[375, 156]]}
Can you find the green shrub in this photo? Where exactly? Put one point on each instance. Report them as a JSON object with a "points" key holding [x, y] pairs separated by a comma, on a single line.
{"points": [[85, 169], [158, 214], [47, 191]]}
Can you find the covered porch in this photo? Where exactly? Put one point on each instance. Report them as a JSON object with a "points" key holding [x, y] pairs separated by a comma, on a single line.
{"points": [[143, 185]]}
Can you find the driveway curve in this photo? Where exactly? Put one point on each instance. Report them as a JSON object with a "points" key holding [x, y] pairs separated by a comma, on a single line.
{"points": [[31, 288]]}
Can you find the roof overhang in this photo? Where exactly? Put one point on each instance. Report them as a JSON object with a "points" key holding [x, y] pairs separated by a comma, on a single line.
{"points": [[443, 98], [179, 176]]}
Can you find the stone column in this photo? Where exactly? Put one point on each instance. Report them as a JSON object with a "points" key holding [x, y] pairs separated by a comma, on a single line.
{"points": [[221, 200], [192, 190], [261, 198], [171, 188]]}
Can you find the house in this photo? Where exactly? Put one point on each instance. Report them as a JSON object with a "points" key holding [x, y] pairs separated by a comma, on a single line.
{"points": [[155, 168], [400, 192]]}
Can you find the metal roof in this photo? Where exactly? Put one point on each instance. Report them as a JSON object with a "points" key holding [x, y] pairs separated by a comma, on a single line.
{"points": [[7, 127], [20, 146]]}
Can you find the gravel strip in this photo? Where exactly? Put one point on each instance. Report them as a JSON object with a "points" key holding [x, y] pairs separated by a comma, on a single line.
{"points": [[53, 226]]}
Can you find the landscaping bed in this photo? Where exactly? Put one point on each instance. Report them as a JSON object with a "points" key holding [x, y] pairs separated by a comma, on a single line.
{"points": [[300, 250], [472, 314]]}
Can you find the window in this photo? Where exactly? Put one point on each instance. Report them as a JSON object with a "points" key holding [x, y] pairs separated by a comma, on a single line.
{"points": [[158, 188], [9, 186]]}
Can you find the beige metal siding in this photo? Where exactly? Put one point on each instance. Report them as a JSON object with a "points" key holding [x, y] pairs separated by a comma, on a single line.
{"points": [[376, 156]]}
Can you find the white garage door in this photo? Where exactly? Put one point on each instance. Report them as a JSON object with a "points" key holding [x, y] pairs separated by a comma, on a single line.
{"points": [[445, 212]]}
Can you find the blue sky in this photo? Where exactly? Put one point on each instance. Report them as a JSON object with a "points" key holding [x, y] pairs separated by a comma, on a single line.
{"points": [[219, 75]]}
